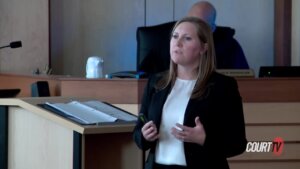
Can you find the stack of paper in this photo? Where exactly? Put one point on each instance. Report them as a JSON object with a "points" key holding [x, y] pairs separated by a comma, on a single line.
{"points": [[92, 112]]}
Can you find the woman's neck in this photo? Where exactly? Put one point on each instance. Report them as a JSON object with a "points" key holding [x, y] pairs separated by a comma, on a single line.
{"points": [[186, 74]]}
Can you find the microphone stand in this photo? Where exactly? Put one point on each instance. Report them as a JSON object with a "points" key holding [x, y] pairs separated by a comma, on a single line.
{"points": [[15, 44], [4, 46]]}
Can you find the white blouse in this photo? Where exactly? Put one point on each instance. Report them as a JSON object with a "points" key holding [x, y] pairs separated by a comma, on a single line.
{"points": [[170, 150]]}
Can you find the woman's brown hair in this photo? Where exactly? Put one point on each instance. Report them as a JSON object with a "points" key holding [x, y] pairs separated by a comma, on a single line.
{"points": [[206, 61]]}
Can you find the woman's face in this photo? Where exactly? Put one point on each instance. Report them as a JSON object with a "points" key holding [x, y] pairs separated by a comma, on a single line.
{"points": [[185, 46]]}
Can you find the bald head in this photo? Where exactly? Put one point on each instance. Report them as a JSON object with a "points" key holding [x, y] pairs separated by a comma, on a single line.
{"points": [[205, 11]]}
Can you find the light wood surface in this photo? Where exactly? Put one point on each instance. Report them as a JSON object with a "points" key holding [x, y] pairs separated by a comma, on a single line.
{"points": [[126, 91], [30, 104], [269, 89], [265, 122], [272, 113], [40, 139], [36, 142], [131, 91]]}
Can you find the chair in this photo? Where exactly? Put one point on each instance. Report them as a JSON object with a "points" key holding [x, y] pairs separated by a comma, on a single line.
{"points": [[153, 47], [153, 54]]}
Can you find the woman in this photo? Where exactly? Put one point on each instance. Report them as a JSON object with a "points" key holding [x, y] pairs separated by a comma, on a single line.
{"points": [[195, 115]]}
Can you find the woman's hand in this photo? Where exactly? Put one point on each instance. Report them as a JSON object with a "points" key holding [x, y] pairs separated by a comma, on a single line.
{"points": [[149, 131], [190, 134]]}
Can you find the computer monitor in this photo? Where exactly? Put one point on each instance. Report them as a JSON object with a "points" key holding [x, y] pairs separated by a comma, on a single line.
{"points": [[279, 71]]}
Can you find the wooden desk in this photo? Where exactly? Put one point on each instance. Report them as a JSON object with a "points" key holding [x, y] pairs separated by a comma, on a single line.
{"points": [[269, 89], [23, 82], [37, 138], [131, 90], [127, 91], [264, 122]]}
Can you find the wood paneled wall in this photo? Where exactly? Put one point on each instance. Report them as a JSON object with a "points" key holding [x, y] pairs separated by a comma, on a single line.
{"points": [[108, 29], [27, 21]]}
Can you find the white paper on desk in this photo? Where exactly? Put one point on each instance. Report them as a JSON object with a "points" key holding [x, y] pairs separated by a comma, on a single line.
{"points": [[110, 110], [83, 112]]}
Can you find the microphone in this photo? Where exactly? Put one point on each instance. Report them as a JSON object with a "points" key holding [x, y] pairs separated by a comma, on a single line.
{"points": [[15, 44]]}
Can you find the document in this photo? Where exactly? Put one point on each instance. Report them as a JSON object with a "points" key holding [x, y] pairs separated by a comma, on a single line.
{"points": [[92, 112]]}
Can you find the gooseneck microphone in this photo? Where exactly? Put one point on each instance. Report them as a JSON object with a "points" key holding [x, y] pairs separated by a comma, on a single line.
{"points": [[15, 44]]}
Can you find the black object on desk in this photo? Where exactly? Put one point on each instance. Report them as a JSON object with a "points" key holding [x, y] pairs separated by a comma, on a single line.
{"points": [[7, 93], [279, 71], [40, 89], [127, 74]]}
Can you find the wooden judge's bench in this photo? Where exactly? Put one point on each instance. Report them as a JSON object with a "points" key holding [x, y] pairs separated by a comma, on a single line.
{"points": [[271, 110]]}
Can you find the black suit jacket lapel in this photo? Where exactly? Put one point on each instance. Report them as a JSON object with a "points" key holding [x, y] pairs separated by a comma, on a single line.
{"points": [[197, 107], [158, 102]]}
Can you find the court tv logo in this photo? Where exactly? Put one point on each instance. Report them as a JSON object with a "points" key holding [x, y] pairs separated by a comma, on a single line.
{"points": [[276, 146]]}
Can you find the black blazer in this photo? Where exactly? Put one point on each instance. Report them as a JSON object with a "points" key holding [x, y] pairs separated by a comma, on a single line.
{"points": [[221, 113]]}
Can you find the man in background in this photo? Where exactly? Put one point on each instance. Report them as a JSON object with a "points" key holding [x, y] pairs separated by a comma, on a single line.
{"points": [[229, 53], [156, 56]]}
